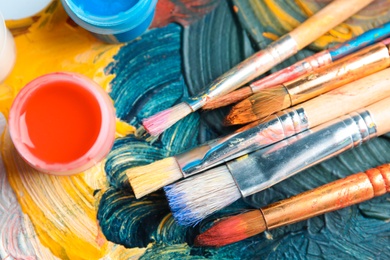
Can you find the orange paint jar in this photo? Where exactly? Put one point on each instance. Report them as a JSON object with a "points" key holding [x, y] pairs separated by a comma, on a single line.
{"points": [[62, 123]]}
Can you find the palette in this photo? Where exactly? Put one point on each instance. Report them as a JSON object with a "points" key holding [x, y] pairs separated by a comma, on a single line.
{"points": [[94, 215]]}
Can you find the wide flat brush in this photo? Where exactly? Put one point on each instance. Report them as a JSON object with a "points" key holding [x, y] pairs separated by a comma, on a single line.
{"points": [[333, 196], [195, 198], [148, 178], [331, 15], [352, 67], [303, 67]]}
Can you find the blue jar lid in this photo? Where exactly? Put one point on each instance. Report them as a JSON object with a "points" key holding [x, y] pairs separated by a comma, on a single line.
{"points": [[112, 19]]}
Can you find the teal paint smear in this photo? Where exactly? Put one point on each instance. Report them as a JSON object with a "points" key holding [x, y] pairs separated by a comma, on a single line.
{"points": [[255, 23], [128, 221], [378, 208], [182, 136], [130, 152], [211, 47], [255, 26], [147, 75]]}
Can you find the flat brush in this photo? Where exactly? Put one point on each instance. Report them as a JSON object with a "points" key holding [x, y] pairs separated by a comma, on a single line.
{"points": [[195, 198], [336, 195], [363, 92], [260, 62], [303, 67], [352, 67]]}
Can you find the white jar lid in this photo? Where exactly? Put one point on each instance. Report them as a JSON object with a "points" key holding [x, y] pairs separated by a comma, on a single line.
{"points": [[20, 9]]}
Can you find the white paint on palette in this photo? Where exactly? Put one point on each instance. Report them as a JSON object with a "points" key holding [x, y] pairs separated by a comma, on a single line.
{"points": [[18, 239]]}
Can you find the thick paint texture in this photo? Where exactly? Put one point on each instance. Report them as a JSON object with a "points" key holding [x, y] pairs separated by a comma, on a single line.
{"points": [[105, 8], [184, 12], [94, 215]]}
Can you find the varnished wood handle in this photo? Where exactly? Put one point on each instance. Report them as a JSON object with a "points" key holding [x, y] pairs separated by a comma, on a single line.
{"points": [[380, 112], [326, 19], [339, 194], [347, 98]]}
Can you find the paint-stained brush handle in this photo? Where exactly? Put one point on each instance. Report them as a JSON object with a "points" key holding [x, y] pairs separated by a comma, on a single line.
{"points": [[347, 98], [339, 194], [355, 66], [380, 113]]}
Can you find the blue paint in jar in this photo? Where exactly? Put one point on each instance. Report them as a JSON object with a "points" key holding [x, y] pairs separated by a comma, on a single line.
{"points": [[112, 21]]}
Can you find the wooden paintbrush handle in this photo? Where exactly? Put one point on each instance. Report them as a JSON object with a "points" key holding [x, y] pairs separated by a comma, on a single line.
{"points": [[355, 66], [339, 194], [326, 19], [347, 98], [380, 112]]}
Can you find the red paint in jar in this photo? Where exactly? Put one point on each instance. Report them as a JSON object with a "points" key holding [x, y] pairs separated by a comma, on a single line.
{"points": [[62, 123]]}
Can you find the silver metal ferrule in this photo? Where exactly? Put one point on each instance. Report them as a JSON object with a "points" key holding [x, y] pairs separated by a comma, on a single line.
{"points": [[282, 125], [266, 167], [316, 61], [255, 65]]}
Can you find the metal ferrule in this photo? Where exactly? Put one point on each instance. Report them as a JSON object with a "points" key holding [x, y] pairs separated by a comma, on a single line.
{"points": [[266, 167], [247, 70], [282, 125], [316, 61], [302, 67], [358, 65]]}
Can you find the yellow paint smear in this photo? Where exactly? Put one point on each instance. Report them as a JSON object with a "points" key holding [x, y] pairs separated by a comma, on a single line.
{"points": [[339, 34], [62, 209], [55, 43], [284, 18], [123, 128], [271, 36]]}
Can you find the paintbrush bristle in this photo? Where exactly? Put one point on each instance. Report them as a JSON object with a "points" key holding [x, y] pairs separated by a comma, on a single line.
{"points": [[193, 199], [159, 122], [233, 229], [230, 98], [240, 114], [148, 178], [258, 106]]}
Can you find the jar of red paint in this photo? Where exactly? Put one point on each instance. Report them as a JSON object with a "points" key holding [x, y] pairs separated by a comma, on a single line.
{"points": [[62, 123]]}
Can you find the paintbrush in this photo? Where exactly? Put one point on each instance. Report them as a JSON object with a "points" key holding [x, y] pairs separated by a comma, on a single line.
{"points": [[331, 15], [148, 178], [303, 67], [193, 199], [336, 195], [268, 101]]}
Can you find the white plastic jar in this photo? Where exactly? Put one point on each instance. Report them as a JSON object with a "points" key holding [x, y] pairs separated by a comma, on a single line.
{"points": [[7, 50]]}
